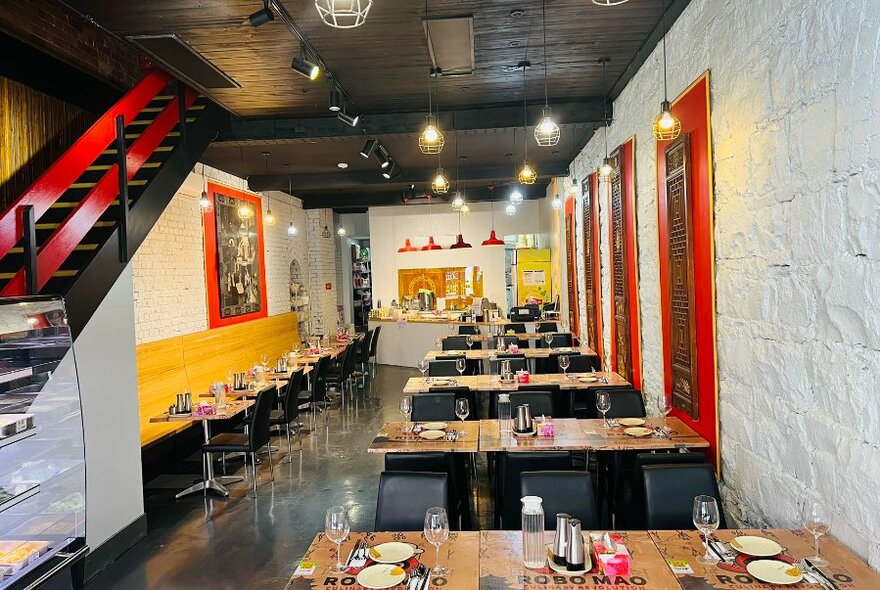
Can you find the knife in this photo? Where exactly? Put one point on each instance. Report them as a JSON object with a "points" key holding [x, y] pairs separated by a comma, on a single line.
{"points": [[426, 580], [352, 552], [819, 572]]}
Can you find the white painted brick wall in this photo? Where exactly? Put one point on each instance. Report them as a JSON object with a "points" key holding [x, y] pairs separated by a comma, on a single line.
{"points": [[322, 270], [169, 267], [796, 133]]}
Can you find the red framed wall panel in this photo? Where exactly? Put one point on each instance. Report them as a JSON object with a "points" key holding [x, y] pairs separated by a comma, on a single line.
{"points": [[592, 264], [571, 266]]}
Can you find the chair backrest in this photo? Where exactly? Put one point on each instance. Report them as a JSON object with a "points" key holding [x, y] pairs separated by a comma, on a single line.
{"points": [[291, 401], [560, 339], [540, 402], [626, 403], [633, 494], [468, 329], [517, 362], [430, 462], [348, 362], [374, 342], [319, 378], [546, 327], [508, 340], [433, 406], [461, 393], [258, 430], [443, 368], [455, 343], [563, 491], [670, 491], [577, 363], [510, 466], [365, 343], [518, 328], [405, 496]]}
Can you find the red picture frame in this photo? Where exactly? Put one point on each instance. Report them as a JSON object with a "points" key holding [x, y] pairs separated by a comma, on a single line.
{"points": [[212, 262]]}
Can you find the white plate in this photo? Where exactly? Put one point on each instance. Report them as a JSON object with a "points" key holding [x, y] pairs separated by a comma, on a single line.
{"points": [[772, 571], [561, 569], [378, 577], [393, 552], [437, 381], [432, 434], [630, 421], [434, 425], [756, 546], [638, 431], [588, 379]]}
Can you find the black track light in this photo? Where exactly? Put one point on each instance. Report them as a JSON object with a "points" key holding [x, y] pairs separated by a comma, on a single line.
{"points": [[390, 171], [337, 100], [261, 17], [382, 156], [349, 119], [303, 66], [368, 148]]}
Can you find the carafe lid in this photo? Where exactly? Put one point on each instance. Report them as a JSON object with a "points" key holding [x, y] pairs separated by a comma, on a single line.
{"points": [[532, 502]]}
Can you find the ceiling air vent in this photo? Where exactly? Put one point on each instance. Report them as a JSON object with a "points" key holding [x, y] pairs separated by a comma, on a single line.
{"points": [[178, 58], [451, 43]]}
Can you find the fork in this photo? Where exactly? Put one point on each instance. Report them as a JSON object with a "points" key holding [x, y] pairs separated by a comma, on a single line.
{"points": [[810, 576]]}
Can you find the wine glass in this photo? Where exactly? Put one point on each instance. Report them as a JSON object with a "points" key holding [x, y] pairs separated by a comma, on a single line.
{"points": [[548, 338], [462, 408], [603, 404], [406, 409], [423, 367], [337, 527], [564, 364], [264, 360], [460, 365], [437, 532], [663, 406], [816, 521], [706, 519], [470, 341], [230, 378]]}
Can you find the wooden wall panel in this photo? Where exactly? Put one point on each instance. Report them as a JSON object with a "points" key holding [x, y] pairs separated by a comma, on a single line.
{"points": [[194, 361], [592, 267]]}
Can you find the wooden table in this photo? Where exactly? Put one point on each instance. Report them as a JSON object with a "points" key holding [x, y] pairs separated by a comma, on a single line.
{"points": [[217, 484], [601, 438], [392, 439], [460, 554], [249, 393], [491, 383], [501, 566], [518, 335], [569, 435], [489, 354], [850, 572]]}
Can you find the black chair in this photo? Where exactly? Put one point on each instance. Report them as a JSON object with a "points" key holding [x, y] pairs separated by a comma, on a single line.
{"points": [[629, 499], [443, 368], [508, 487], [583, 401], [670, 491], [455, 343], [540, 402], [433, 406], [461, 393], [363, 355], [374, 346], [459, 507], [626, 403], [563, 491], [524, 313], [405, 496], [508, 340], [256, 438], [560, 340], [315, 397], [341, 375], [517, 362], [290, 409], [577, 363], [465, 329], [546, 327], [517, 328]]}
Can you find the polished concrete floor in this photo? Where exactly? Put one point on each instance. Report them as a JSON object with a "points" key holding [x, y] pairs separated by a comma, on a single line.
{"points": [[241, 542]]}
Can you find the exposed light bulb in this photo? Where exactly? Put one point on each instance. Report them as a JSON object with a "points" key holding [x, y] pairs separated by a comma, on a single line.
{"points": [[666, 126], [516, 197], [547, 131], [269, 217], [527, 174], [605, 169], [465, 209], [341, 232], [556, 203], [431, 134], [440, 185], [666, 120], [457, 202], [291, 230], [431, 140], [205, 203], [510, 209], [245, 212]]}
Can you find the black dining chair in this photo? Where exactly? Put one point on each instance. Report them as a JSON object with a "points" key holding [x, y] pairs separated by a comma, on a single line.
{"points": [[459, 507], [508, 487], [583, 401], [570, 492], [540, 402], [626, 403], [461, 393], [508, 340], [517, 362], [443, 368], [315, 398], [363, 354], [256, 438], [374, 347], [341, 373], [289, 412], [455, 343], [433, 406], [577, 363], [405, 496], [515, 327], [464, 329], [546, 327], [560, 340], [670, 491]]}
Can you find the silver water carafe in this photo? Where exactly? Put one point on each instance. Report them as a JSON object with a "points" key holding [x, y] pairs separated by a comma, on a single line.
{"points": [[523, 421], [560, 542], [574, 552]]}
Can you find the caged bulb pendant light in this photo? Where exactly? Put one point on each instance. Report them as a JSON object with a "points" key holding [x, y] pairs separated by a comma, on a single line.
{"points": [[527, 174], [605, 169], [343, 14], [547, 131], [205, 205], [292, 231], [440, 184], [269, 217], [431, 140], [666, 126]]}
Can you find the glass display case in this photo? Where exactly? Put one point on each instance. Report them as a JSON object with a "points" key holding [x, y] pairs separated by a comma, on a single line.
{"points": [[42, 459]]}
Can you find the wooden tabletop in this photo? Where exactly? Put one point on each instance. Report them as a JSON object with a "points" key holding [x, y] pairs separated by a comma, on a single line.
{"points": [[250, 392], [600, 438], [492, 383], [482, 354], [519, 336], [232, 408], [392, 439], [460, 554], [568, 435], [501, 566], [849, 572]]}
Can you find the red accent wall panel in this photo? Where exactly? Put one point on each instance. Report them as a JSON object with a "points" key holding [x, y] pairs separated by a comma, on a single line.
{"points": [[593, 195], [692, 108], [571, 266]]}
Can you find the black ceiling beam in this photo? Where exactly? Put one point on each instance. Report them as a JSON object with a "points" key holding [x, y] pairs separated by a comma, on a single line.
{"points": [[354, 200], [585, 112], [302, 183]]}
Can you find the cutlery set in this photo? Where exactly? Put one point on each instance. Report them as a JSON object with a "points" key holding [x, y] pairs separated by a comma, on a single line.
{"points": [[662, 432], [358, 556], [419, 578], [453, 435], [815, 575]]}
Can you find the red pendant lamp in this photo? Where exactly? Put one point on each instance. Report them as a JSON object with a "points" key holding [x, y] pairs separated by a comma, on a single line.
{"points": [[459, 243], [431, 245], [493, 239], [407, 247]]}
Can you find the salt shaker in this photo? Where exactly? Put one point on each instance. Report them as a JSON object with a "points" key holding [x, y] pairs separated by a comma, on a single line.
{"points": [[560, 542], [574, 552]]}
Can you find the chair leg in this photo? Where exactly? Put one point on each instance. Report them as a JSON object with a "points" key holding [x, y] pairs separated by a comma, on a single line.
{"points": [[254, 462], [271, 469], [289, 451], [223, 460]]}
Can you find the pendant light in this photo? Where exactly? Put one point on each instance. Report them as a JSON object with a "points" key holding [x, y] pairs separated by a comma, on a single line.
{"points": [[407, 245], [516, 197], [458, 199], [205, 205], [556, 203], [606, 168], [493, 239], [459, 243], [431, 245], [510, 209], [547, 131], [269, 217], [527, 174], [431, 140], [244, 210], [666, 126], [291, 229], [343, 14]]}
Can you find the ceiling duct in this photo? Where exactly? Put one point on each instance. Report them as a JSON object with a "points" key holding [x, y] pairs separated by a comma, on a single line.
{"points": [[179, 58], [451, 44]]}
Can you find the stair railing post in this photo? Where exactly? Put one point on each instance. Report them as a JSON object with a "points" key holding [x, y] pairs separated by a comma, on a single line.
{"points": [[181, 119], [29, 240], [122, 175]]}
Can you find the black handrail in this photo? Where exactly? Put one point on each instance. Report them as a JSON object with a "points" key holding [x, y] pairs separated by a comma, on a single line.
{"points": [[29, 241], [122, 175]]}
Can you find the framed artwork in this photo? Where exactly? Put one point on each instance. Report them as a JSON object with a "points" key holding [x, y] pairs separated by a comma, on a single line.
{"points": [[234, 265]]}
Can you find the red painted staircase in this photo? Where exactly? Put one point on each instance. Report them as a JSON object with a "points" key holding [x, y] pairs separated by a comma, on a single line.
{"points": [[74, 230]]}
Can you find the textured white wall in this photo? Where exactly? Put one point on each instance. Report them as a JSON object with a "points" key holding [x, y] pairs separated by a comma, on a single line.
{"points": [[169, 267], [796, 133], [322, 270]]}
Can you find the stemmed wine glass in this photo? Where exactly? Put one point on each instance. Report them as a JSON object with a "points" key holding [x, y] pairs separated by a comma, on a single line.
{"points": [[816, 521], [406, 409], [423, 367], [337, 527], [564, 364], [470, 341], [664, 406], [437, 532], [460, 365], [462, 408], [706, 519], [603, 404], [264, 360], [548, 338]]}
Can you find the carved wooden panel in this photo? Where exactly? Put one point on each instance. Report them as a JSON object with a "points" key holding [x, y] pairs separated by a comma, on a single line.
{"points": [[570, 268], [682, 333], [591, 295], [619, 297]]}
